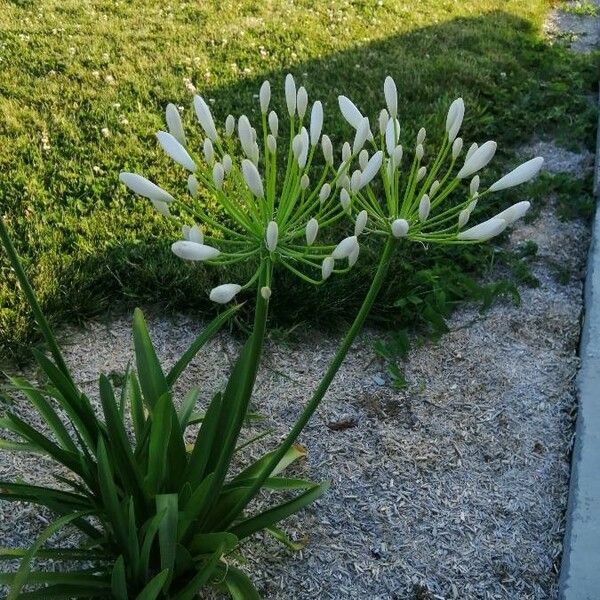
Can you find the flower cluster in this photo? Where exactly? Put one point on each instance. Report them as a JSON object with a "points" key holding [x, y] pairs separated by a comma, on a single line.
{"points": [[416, 205], [267, 214]]}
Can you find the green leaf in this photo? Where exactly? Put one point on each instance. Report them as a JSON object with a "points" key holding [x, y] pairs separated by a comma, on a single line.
{"points": [[201, 578], [293, 454], [272, 516], [167, 530], [138, 417], [187, 407], [118, 581], [206, 543], [25, 567], [282, 537], [154, 586], [152, 379], [150, 531], [11, 446], [195, 506], [160, 434], [43, 495], [63, 554], [67, 592], [239, 585], [212, 328]]}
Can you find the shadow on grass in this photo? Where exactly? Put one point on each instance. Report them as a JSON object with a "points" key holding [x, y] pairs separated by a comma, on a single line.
{"points": [[515, 84]]}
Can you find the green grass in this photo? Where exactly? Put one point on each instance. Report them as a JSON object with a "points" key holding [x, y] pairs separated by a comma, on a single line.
{"points": [[583, 8], [71, 68]]}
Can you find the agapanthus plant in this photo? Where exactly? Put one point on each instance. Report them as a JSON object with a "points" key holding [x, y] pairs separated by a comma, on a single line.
{"points": [[164, 521]]}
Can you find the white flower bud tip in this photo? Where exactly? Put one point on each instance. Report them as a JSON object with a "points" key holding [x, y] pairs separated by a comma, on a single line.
{"points": [[144, 187], [264, 97], [371, 169], [192, 185], [421, 136], [208, 151], [350, 112], [271, 143], [353, 256], [327, 267], [454, 119], [189, 250], [392, 135], [205, 118], [327, 147], [391, 96], [301, 101], [195, 234], [419, 151], [484, 231], [399, 228], [514, 212], [471, 149], [345, 199], [316, 122], [397, 155], [252, 178], [424, 208], [479, 159], [273, 123], [344, 248], [272, 236], [355, 181], [174, 123], [304, 181], [224, 293], [226, 162], [324, 192], [363, 158], [312, 229], [435, 186], [290, 94], [175, 150], [474, 185], [218, 175], [521, 174], [265, 292], [229, 125], [362, 134], [346, 152], [384, 117], [421, 173], [361, 222], [457, 146]]}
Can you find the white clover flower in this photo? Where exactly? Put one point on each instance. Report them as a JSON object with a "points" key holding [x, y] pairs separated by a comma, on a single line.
{"points": [[479, 159], [273, 123], [264, 97], [174, 123], [252, 178], [205, 117], [361, 222], [484, 231], [312, 229], [144, 187], [290, 94], [399, 228], [222, 294], [272, 236], [391, 96], [193, 251], [345, 248], [301, 101], [175, 150], [316, 123], [521, 174]]}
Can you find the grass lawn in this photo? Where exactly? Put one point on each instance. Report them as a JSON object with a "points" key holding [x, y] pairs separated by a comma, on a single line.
{"points": [[83, 86]]}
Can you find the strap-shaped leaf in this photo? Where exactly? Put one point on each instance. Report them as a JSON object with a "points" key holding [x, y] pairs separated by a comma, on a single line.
{"points": [[118, 581], [138, 417], [272, 516], [63, 554], [284, 538], [153, 587], [187, 406], [160, 434], [149, 531], [207, 543], [239, 585], [211, 329], [205, 571], [152, 379], [195, 506], [66, 592], [293, 454], [43, 495], [167, 530]]}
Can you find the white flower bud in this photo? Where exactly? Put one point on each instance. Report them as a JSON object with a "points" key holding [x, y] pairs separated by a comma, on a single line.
{"points": [[246, 136], [305, 148], [272, 236], [397, 155], [343, 181], [521, 174], [227, 164], [195, 234], [224, 293], [304, 181], [218, 175], [454, 119], [421, 136], [345, 199], [361, 222], [390, 168], [484, 231], [346, 152], [205, 118], [229, 125], [316, 122], [344, 248], [371, 169], [273, 123], [192, 185], [391, 96], [479, 159], [457, 146], [175, 150], [355, 181], [463, 217], [290, 94], [392, 135], [302, 101], [324, 192], [209, 151], [421, 173], [471, 150], [174, 123], [424, 208], [144, 187], [419, 151], [384, 117], [264, 97], [363, 158], [252, 178], [193, 251], [434, 188], [161, 207], [474, 185], [265, 292], [297, 146], [312, 229], [327, 267], [185, 231], [350, 112], [353, 256], [514, 212], [399, 228], [362, 133], [327, 149]]}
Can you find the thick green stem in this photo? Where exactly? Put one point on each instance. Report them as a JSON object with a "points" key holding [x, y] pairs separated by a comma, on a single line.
{"points": [[40, 319], [321, 390]]}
